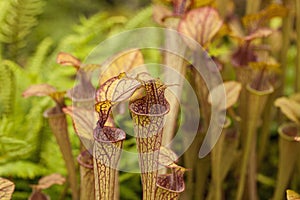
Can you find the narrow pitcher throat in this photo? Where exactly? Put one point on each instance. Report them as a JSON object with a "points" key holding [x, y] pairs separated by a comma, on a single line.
{"points": [[290, 132], [54, 112], [149, 107], [108, 134]]}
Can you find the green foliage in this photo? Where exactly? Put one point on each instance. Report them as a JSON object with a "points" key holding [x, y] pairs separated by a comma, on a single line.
{"points": [[128, 190], [19, 17], [7, 88], [36, 62], [22, 169], [89, 33], [140, 18]]}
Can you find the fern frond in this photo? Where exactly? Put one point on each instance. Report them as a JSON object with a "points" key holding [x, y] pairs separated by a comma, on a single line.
{"points": [[11, 147], [9, 72], [51, 156], [95, 28], [7, 88], [141, 17], [4, 6], [20, 18], [22, 169], [36, 62], [14, 67], [87, 24]]}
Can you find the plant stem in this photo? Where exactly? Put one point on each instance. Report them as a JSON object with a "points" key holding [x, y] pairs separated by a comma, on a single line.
{"points": [[297, 88], [202, 173], [243, 75], [286, 32], [196, 179], [201, 166], [174, 63], [265, 129], [252, 170], [216, 167], [190, 163], [218, 163], [58, 124]]}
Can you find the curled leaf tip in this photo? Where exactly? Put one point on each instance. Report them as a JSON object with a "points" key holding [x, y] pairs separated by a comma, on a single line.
{"points": [[48, 181], [39, 90], [67, 59]]}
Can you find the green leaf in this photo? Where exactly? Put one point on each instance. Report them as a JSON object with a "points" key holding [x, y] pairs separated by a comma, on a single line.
{"points": [[20, 18]]}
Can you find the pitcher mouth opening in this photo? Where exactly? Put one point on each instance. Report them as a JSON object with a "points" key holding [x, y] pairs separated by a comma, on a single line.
{"points": [[109, 135], [53, 112], [290, 132], [180, 189], [139, 106]]}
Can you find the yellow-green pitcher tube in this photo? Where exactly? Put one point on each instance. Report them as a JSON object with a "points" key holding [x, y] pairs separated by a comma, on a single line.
{"points": [[289, 147], [287, 29], [265, 129], [256, 101], [297, 82], [217, 164]]}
